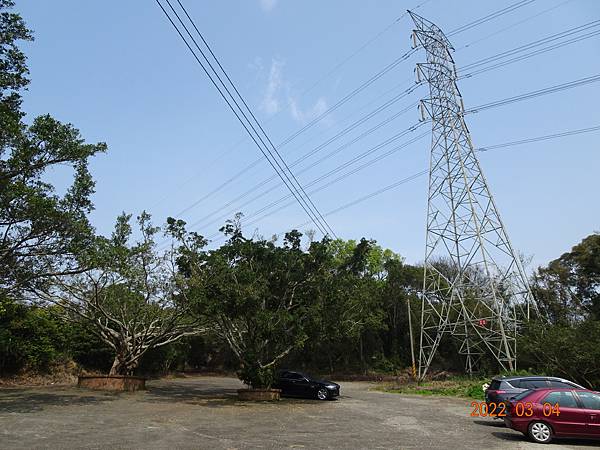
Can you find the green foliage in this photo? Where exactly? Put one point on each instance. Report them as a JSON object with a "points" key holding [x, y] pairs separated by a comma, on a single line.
{"points": [[284, 303], [86, 348], [564, 350], [568, 289], [522, 373], [453, 387], [381, 364], [568, 292], [256, 376], [42, 232], [31, 338], [129, 297], [259, 298], [162, 360], [13, 72]]}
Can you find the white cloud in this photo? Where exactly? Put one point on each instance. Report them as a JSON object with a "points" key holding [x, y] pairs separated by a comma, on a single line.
{"points": [[267, 5], [305, 116], [270, 102], [278, 95]]}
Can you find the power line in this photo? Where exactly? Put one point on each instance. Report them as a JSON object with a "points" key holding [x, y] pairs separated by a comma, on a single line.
{"points": [[423, 172], [537, 93], [538, 138], [489, 17], [362, 47], [290, 138], [481, 149], [371, 195], [331, 182], [532, 44], [534, 94], [353, 93], [526, 19], [337, 136], [475, 64], [350, 95], [304, 92], [386, 68], [287, 170], [531, 54], [333, 171], [536, 43], [471, 111], [323, 145], [248, 125]]}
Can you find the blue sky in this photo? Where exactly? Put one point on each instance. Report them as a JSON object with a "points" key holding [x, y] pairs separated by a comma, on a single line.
{"points": [[120, 74]]}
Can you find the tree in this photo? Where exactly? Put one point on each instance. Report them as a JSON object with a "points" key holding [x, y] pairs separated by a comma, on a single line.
{"points": [[348, 320], [14, 72], [131, 296], [259, 298], [571, 351], [568, 292], [402, 285], [568, 289], [41, 231]]}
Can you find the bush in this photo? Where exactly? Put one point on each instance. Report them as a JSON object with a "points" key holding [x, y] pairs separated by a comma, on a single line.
{"points": [[31, 338], [256, 377], [87, 349], [385, 365]]}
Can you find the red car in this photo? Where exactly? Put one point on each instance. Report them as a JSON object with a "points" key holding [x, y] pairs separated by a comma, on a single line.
{"points": [[543, 414]]}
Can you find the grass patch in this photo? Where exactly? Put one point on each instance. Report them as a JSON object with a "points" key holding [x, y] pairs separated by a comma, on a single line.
{"points": [[453, 387]]}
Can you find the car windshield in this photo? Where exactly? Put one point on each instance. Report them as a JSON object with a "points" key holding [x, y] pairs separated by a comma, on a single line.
{"points": [[294, 375], [495, 385]]}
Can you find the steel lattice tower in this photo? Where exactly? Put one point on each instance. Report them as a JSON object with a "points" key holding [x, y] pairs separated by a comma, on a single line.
{"points": [[474, 289]]}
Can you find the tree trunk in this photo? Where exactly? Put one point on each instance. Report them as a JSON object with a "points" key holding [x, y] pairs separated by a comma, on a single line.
{"points": [[117, 367], [362, 359], [121, 366]]}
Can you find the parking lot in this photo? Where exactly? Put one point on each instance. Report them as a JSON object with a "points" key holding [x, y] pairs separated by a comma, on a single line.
{"points": [[202, 412]]}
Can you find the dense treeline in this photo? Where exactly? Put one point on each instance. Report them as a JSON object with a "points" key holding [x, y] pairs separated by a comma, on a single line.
{"points": [[357, 322], [117, 304], [567, 341]]}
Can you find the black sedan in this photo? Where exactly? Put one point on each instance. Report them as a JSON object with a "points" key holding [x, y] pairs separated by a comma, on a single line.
{"points": [[298, 384]]}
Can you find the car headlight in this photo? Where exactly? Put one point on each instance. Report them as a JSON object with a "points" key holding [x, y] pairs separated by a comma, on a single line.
{"points": [[331, 386]]}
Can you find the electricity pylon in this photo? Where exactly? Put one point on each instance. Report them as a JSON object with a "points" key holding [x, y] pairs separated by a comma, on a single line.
{"points": [[474, 288]]}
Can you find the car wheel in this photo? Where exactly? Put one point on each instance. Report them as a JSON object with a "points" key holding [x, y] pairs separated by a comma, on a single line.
{"points": [[540, 432], [322, 394]]}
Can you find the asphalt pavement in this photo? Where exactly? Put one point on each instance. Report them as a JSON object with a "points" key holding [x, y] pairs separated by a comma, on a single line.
{"points": [[203, 412]]}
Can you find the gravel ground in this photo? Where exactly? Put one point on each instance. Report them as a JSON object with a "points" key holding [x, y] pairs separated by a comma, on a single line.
{"points": [[202, 412]]}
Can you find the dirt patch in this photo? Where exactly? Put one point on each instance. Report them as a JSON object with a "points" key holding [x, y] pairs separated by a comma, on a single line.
{"points": [[59, 374]]}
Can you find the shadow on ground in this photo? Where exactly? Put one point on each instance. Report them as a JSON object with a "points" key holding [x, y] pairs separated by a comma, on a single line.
{"points": [[27, 401], [189, 393], [209, 395]]}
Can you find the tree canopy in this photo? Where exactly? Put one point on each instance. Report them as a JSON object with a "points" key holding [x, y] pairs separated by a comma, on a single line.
{"points": [[42, 231]]}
